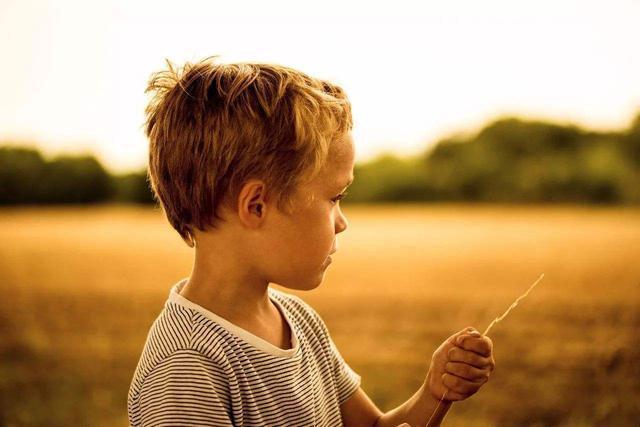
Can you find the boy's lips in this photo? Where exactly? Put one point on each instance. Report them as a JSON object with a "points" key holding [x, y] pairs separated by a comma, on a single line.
{"points": [[329, 259]]}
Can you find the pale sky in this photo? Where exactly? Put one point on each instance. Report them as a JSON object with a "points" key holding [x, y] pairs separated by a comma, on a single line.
{"points": [[74, 72]]}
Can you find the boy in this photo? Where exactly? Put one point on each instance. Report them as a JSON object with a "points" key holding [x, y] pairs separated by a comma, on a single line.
{"points": [[249, 162]]}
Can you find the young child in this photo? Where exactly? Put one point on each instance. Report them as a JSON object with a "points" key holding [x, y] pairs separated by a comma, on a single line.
{"points": [[249, 162]]}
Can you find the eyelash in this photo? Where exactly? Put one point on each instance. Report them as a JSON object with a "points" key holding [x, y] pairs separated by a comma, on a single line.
{"points": [[339, 197]]}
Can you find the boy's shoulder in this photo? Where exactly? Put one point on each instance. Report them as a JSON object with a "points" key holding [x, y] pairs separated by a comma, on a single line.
{"points": [[291, 299], [175, 331], [295, 304], [184, 333], [301, 310], [180, 324], [183, 327]]}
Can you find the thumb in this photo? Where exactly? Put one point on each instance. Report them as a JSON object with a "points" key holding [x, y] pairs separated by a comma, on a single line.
{"points": [[404, 425]]}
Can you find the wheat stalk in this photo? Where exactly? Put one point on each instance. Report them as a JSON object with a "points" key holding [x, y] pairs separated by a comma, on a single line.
{"points": [[496, 320], [499, 319]]}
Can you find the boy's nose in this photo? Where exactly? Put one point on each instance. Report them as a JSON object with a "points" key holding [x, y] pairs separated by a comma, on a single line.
{"points": [[341, 224]]}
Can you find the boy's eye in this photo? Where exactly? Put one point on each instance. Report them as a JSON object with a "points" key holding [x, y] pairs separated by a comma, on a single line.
{"points": [[339, 197]]}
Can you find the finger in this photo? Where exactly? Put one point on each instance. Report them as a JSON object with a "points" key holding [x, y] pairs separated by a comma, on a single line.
{"points": [[481, 345], [460, 385], [469, 330], [457, 354], [466, 331], [467, 372]]}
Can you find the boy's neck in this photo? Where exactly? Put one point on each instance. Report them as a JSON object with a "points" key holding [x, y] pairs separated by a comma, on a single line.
{"points": [[228, 291]]}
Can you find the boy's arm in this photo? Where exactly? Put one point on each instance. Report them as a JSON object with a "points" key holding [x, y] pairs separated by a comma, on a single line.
{"points": [[179, 391], [360, 411], [459, 367]]}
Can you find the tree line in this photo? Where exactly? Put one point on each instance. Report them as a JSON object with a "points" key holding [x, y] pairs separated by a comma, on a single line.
{"points": [[26, 177], [512, 160], [508, 160]]}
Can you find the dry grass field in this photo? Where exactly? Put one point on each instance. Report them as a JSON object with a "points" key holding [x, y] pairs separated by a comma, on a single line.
{"points": [[81, 286]]}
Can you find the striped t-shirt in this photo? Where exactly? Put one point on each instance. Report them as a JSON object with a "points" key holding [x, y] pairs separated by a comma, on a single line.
{"points": [[197, 368]]}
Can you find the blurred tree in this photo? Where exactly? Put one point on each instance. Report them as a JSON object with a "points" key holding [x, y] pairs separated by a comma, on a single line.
{"points": [[524, 138], [75, 179], [21, 172], [133, 187], [26, 178], [388, 179], [631, 141]]}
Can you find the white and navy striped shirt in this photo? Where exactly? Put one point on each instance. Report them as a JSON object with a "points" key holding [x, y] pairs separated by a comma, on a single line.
{"points": [[197, 368]]}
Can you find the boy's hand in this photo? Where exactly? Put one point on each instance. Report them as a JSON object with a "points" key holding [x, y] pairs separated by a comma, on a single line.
{"points": [[461, 365]]}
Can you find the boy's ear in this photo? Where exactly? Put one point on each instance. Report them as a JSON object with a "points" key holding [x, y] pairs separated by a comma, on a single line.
{"points": [[252, 203]]}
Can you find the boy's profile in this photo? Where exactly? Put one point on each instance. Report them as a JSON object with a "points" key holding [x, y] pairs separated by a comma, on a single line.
{"points": [[249, 162]]}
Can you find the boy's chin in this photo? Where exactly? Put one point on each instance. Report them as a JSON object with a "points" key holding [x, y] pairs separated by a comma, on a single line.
{"points": [[308, 284], [306, 278]]}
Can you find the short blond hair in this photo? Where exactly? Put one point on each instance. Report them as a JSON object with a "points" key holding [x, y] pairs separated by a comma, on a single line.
{"points": [[212, 126]]}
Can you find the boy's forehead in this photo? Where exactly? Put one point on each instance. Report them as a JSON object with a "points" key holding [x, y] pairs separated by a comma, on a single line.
{"points": [[338, 171], [341, 162]]}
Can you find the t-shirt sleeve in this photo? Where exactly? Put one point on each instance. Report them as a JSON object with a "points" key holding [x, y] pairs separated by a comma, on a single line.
{"points": [[180, 391], [346, 379]]}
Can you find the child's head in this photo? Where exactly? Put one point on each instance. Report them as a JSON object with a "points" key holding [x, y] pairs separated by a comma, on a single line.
{"points": [[264, 143]]}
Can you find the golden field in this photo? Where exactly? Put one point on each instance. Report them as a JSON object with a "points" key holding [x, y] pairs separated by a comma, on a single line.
{"points": [[81, 287]]}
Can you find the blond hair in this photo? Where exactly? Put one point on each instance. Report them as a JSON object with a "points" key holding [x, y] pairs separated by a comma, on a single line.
{"points": [[212, 126]]}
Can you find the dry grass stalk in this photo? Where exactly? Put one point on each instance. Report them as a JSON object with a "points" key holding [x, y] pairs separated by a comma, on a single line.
{"points": [[499, 319], [496, 320]]}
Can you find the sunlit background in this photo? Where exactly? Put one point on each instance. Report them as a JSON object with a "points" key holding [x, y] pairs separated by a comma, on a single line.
{"points": [[494, 141], [75, 71]]}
